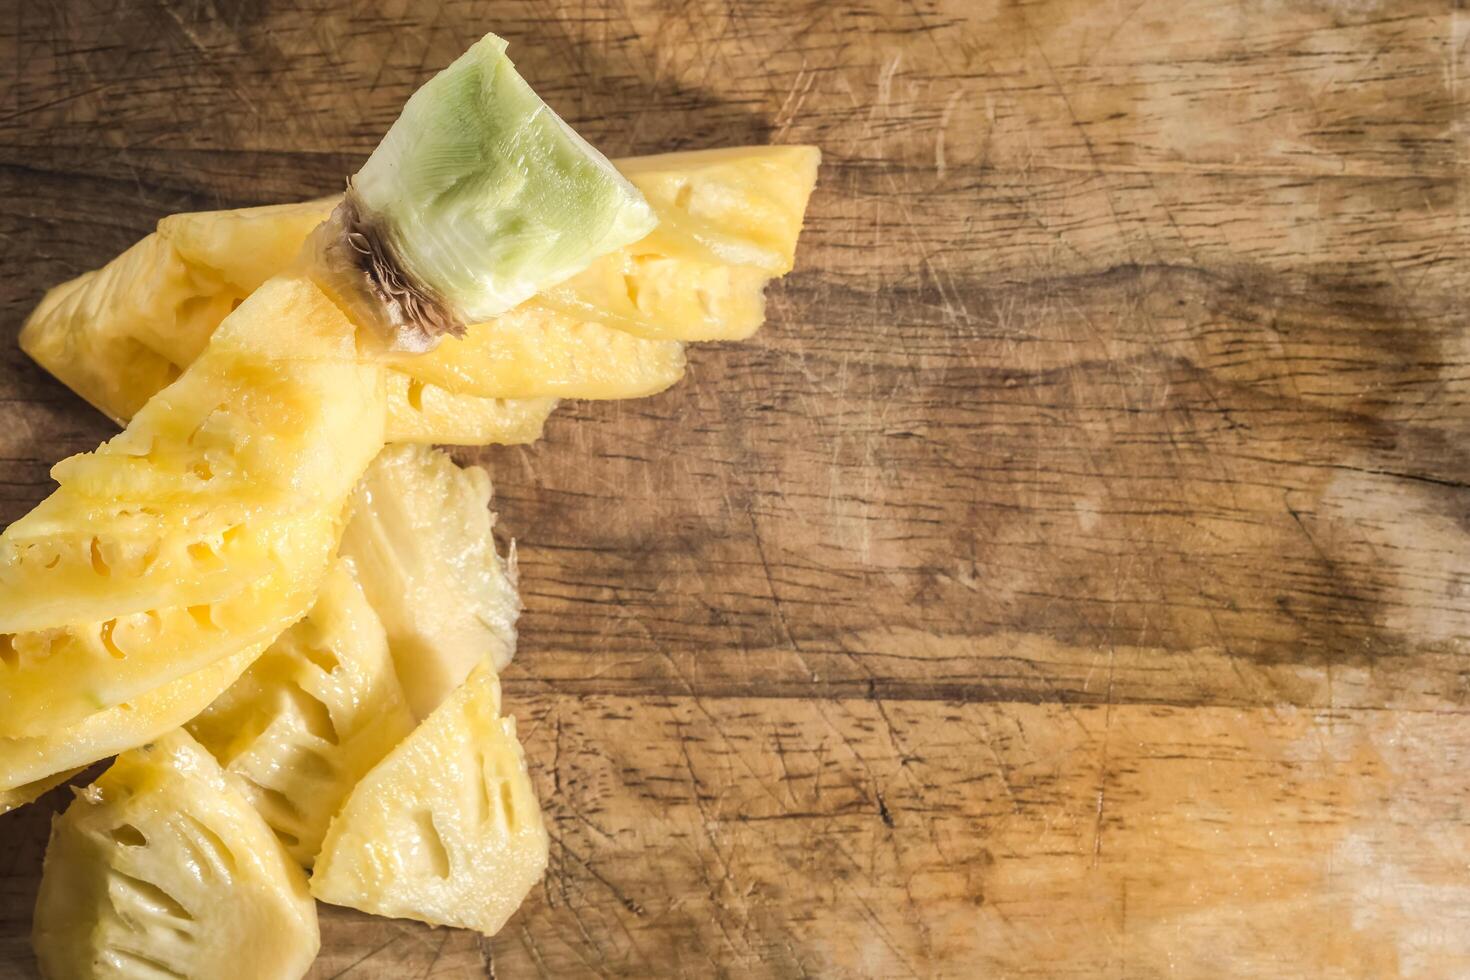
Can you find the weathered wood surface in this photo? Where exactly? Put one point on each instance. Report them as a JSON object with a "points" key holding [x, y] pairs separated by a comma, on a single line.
{"points": [[1071, 580]]}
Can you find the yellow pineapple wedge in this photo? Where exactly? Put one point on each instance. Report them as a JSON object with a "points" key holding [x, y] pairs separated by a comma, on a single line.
{"points": [[446, 829], [425, 414], [277, 419], [202, 530], [729, 221], [161, 869], [30, 761], [532, 352], [311, 716], [420, 541]]}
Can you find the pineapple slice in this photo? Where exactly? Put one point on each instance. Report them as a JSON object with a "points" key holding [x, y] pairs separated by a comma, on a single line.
{"points": [[201, 531], [29, 761], [311, 716], [729, 223], [88, 331], [424, 413], [420, 542], [163, 511], [162, 871], [120, 333], [446, 829], [244, 247], [533, 353], [737, 206]]}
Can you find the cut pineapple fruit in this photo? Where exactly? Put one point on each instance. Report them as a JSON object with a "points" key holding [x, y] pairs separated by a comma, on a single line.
{"points": [[446, 829], [311, 716], [244, 247], [161, 510], [423, 413], [738, 206], [531, 353], [420, 541], [161, 870], [662, 297], [201, 531], [31, 760], [729, 222]]}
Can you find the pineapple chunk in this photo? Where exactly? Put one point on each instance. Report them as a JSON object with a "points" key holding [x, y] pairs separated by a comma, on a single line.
{"points": [[161, 869], [201, 531], [98, 333], [311, 716], [446, 829], [424, 413], [736, 206], [162, 511], [420, 542], [246, 246], [534, 353], [662, 297], [35, 759], [729, 222], [120, 333]]}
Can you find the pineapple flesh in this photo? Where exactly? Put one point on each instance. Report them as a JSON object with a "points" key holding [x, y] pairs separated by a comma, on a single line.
{"points": [[446, 829], [311, 716], [161, 870], [30, 760], [426, 414], [728, 224], [420, 541], [202, 530]]}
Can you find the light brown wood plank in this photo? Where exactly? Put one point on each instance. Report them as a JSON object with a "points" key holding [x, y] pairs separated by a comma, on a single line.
{"points": [[875, 838]]}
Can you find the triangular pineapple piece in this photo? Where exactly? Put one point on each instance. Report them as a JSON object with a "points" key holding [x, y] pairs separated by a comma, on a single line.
{"points": [[446, 829], [199, 532], [420, 541], [161, 870], [728, 223], [96, 332], [31, 760], [244, 247], [738, 205], [120, 333], [309, 718]]}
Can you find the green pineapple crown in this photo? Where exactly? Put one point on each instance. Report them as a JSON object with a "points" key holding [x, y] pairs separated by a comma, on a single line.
{"points": [[480, 196]]}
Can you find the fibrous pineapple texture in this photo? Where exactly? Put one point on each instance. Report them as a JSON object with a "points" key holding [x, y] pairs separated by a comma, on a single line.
{"points": [[161, 870], [311, 716], [446, 829], [201, 531], [420, 540]]}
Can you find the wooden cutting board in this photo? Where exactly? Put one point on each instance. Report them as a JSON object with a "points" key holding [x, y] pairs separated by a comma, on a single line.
{"points": [[1070, 580]]}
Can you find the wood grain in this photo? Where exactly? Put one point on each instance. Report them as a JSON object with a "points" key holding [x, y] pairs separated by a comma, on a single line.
{"points": [[1070, 580]]}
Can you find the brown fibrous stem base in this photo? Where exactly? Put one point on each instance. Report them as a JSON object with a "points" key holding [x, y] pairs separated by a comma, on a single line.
{"points": [[353, 260]]}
